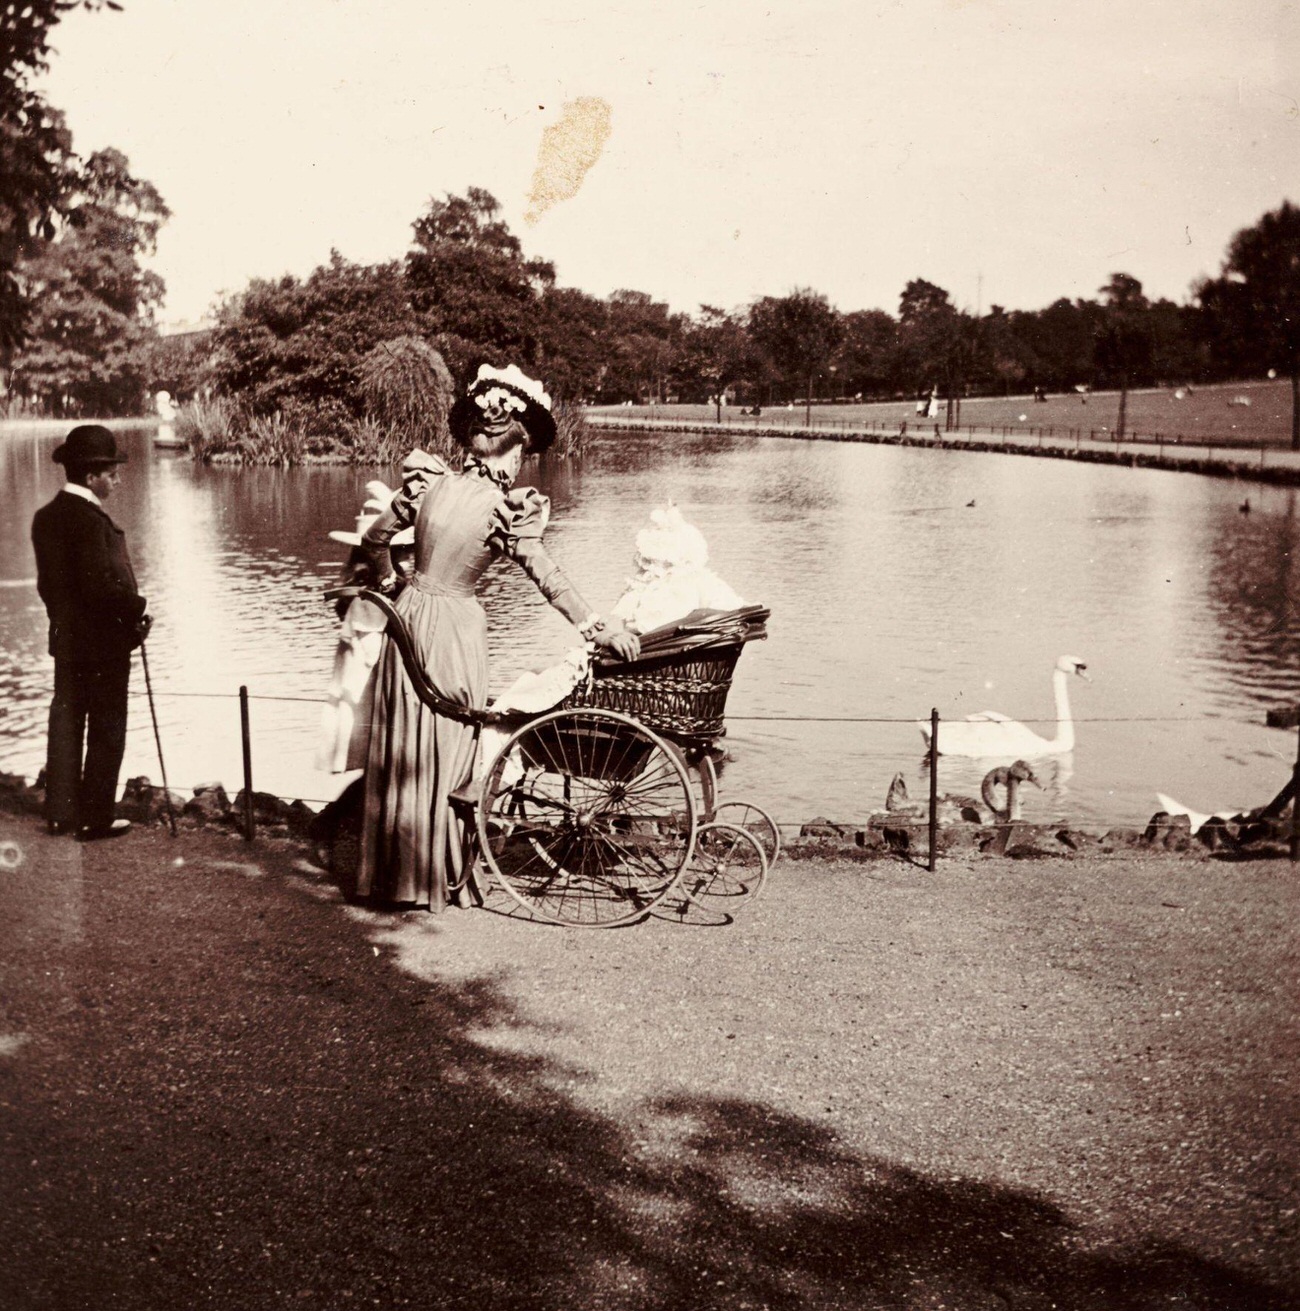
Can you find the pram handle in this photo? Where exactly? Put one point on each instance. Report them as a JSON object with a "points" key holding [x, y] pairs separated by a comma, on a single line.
{"points": [[700, 630], [401, 637]]}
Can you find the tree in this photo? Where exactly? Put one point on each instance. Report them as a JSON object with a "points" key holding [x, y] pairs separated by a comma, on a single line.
{"points": [[572, 331], [643, 344], [799, 334], [936, 340], [1057, 344], [473, 292], [296, 348], [716, 354], [37, 166], [408, 392], [1256, 299], [1000, 356], [867, 356], [90, 328], [1123, 344]]}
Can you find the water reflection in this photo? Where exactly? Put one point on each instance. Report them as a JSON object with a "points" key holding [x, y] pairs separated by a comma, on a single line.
{"points": [[899, 579]]}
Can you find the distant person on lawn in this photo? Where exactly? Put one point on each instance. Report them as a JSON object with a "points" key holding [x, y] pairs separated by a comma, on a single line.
{"points": [[97, 618]]}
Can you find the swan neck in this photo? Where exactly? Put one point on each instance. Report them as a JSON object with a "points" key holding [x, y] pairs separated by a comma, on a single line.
{"points": [[1064, 739]]}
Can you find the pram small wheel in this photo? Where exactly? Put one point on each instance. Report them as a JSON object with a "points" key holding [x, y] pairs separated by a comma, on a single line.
{"points": [[757, 821], [586, 818], [727, 870]]}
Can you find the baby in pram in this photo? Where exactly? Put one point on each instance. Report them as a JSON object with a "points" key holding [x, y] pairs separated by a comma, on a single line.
{"points": [[672, 580]]}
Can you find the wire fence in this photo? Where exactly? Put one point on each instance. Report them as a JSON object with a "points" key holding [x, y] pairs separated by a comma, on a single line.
{"points": [[763, 719], [933, 723]]}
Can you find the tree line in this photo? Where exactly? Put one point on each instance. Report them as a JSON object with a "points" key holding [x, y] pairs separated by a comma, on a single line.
{"points": [[311, 355]]}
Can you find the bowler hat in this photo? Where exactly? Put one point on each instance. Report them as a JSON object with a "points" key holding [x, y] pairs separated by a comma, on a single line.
{"points": [[88, 443]]}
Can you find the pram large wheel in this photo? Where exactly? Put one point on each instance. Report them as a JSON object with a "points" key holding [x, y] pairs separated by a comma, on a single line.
{"points": [[727, 871], [586, 818]]}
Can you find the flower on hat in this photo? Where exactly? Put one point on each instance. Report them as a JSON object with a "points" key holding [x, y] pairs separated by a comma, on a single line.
{"points": [[497, 398]]}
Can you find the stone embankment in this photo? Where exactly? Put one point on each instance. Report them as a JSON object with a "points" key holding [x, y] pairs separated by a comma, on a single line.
{"points": [[885, 834], [1256, 464]]}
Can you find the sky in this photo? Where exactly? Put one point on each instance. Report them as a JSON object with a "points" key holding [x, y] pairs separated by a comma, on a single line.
{"points": [[1012, 151]]}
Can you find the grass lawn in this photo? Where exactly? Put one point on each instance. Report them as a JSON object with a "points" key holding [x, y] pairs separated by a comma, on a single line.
{"points": [[1199, 414]]}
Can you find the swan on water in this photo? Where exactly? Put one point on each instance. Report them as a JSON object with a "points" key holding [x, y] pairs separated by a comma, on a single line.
{"points": [[1197, 818], [989, 734]]}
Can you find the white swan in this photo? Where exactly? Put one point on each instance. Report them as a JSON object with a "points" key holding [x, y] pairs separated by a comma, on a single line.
{"points": [[989, 734], [1197, 818]]}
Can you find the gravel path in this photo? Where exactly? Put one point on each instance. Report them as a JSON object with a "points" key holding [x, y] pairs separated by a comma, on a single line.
{"points": [[1008, 1084]]}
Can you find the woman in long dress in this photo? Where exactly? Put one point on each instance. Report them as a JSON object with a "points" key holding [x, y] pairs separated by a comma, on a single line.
{"points": [[411, 844]]}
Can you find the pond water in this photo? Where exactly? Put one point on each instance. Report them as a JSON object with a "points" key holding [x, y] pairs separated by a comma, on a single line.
{"points": [[899, 579]]}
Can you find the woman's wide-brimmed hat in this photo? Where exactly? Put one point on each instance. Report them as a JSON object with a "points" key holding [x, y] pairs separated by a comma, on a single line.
{"points": [[88, 443], [498, 397]]}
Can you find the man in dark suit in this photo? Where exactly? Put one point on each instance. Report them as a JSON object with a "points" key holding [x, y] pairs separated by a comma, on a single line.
{"points": [[97, 618]]}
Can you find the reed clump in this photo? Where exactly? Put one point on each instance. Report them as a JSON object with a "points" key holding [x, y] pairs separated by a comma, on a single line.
{"points": [[572, 432], [207, 425], [407, 389]]}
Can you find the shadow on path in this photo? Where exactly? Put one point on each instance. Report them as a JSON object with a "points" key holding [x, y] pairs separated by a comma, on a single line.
{"points": [[226, 1095]]}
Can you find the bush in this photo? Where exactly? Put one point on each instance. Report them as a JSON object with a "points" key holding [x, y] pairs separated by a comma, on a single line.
{"points": [[407, 389]]}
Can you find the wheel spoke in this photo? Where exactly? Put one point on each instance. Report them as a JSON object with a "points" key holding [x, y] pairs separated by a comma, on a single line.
{"points": [[601, 825]]}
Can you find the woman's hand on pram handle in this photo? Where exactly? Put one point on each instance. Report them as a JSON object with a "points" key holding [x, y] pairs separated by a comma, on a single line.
{"points": [[624, 644]]}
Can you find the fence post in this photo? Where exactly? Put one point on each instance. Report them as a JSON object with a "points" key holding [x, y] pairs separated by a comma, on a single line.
{"points": [[248, 764], [934, 785], [1295, 804]]}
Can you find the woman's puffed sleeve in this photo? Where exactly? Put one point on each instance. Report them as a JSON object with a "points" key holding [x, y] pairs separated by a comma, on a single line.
{"points": [[419, 469], [517, 532]]}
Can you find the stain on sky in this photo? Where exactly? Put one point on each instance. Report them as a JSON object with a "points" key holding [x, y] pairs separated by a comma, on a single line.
{"points": [[567, 152]]}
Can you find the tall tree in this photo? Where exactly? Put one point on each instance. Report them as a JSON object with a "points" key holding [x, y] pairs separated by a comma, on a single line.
{"points": [[867, 354], [37, 166], [1000, 356], [1124, 338], [717, 354], [91, 329], [473, 291], [936, 340], [1256, 299], [799, 333], [572, 331], [643, 346]]}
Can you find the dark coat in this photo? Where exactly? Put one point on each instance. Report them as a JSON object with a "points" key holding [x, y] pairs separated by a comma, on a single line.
{"points": [[84, 576]]}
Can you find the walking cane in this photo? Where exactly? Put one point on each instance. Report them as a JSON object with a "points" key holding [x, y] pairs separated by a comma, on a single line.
{"points": [[153, 714]]}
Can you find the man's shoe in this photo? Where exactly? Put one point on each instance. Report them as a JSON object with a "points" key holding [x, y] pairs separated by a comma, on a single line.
{"points": [[57, 828], [116, 829]]}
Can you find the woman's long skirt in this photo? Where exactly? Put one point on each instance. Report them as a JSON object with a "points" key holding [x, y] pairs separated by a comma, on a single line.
{"points": [[411, 843]]}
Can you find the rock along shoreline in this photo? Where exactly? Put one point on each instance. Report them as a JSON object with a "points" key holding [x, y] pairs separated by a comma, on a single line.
{"points": [[1144, 455], [882, 836]]}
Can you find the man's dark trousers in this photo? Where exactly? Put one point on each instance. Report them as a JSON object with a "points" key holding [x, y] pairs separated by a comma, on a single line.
{"points": [[88, 714]]}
